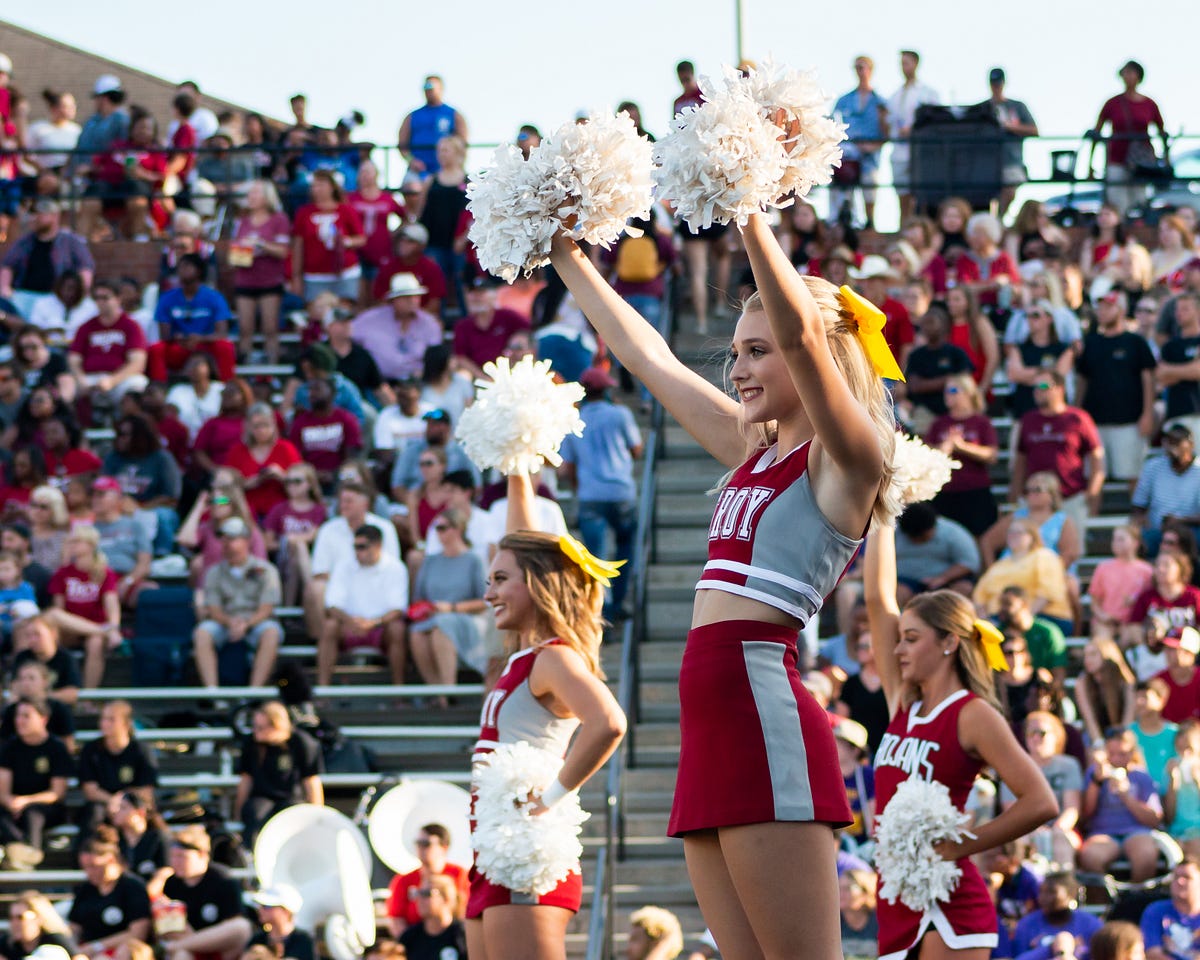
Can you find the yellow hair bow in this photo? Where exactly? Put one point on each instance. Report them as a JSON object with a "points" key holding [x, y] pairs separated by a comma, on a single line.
{"points": [[602, 570], [870, 333], [992, 640]]}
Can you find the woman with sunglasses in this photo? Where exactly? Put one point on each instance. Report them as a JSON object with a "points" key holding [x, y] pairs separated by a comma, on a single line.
{"points": [[199, 532], [966, 434], [1045, 738], [1042, 506], [40, 366], [1027, 361], [431, 496], [33, 922], [291, 527]]}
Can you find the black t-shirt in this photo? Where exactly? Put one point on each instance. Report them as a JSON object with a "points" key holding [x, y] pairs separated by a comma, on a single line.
{"points": [[443, 206], [1183, 398], [1113, 367], [1044, 358], [450, 944], [63, 672], [101, 916], [868, 707], [61, 724], [278, 771], [931, 363], [359, 367], [299, 944], [132, 767], [48, 376], [33, 767], [148, 855], [38, 577], [215, 897], [10, 950], [39, 269]]}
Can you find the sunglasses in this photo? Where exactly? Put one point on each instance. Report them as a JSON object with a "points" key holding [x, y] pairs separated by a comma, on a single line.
{"points": [[1037, 732], [295, 481], [1036, 313], [221, 501], [952, 390], [1037, 489], [425, 892], [1043, 385], [441, 527], [360, 547], [1114, 733], [426, 463], [39, 505]]}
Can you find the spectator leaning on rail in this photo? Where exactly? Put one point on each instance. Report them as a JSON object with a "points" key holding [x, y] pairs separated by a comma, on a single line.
{"points": [[237, 604], [33, 264]]}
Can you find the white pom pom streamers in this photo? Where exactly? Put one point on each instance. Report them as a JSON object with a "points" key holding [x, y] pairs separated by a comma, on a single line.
{"points": [[919, 471]]}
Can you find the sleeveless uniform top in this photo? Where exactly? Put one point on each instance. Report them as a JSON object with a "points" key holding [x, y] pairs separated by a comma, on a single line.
{"points": [[799, 558], [511, 713], [426, 127]]}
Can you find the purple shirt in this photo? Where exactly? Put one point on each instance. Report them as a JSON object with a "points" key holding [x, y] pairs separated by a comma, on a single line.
{"points": [[399, 353], [1112, 817], [1035, 934], [1165, 927]]}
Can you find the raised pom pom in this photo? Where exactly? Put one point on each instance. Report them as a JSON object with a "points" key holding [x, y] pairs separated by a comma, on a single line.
{"points": [[919, 815], [919, 471], [519, 417], [514, 848]]}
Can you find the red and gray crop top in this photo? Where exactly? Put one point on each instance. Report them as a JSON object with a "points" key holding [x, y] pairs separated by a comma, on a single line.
{"points": [[768, 540]]}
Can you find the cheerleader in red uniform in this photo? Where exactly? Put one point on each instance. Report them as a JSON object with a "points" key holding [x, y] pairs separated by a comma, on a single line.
{"points": [[547, 593], [809, 441], [936, 661]]}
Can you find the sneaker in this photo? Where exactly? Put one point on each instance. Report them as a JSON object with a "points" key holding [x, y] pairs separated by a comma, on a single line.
{"points": [[21, 856]]}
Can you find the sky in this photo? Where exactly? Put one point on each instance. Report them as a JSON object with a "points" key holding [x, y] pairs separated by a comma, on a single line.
{"points": [[508, 64]]}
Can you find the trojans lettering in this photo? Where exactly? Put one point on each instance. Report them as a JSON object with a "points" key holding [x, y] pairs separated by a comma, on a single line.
{"points": [[909, 754]]}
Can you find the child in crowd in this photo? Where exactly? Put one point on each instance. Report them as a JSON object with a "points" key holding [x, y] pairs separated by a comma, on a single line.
{"points": [[1181, 794], [1155, 736], [859, 778], [13, 588]]}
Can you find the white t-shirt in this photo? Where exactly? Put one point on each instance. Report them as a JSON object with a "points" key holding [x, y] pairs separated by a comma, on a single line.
{"points": [[202, 120], [902, 108], [335, 543], [454, 399], [368, 592], [194, 410], [482, 531], [393, 429], [51, 315], [44, 135], [547, 514]]}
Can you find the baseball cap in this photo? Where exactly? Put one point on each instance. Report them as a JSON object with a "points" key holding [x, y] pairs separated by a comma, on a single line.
{"points": [[996, 75], [105, 83], [1183, 638], [414, 231], [322, 358], [594, 378], [438, 414], [5, 63], [280, 895], [853, 732], [235, 527], [1178, 431], [108, 484]]}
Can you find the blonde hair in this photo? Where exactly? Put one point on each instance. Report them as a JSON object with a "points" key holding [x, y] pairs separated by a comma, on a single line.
{"points": [[966, 383], [90, 535], [951, 615], [457, 519], [661, 926], [457, 142], [48, 918], [567, 601], [866, 386], [270, 195], [276, 714], [52, 497], [866, 881], [1024, 523], [1053, 484]]}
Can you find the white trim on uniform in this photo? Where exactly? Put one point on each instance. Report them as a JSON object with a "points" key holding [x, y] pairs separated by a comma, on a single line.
{"points": [[916, 721], [761, 595], [772, 576]]}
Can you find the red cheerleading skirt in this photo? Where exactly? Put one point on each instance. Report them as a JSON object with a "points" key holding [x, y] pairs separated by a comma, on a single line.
{"points": [[755, 746], [967, 920]]}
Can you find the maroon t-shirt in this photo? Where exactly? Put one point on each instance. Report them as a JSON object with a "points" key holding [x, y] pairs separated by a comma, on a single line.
{"points": [[482, 346], [374, 214], [423, 268], [284, 519], [325, 440], [105, 348], [218, 435], [324, 233], [266, 272], [976, 428], [1183, 700], [1181, 612], [1131, 120], [1059, 443], [82, 595]]}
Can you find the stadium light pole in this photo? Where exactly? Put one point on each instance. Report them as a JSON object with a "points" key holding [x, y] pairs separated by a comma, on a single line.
{"points": [[737, 27]]}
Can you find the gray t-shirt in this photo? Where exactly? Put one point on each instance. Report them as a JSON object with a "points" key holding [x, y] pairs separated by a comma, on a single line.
{"points": [[950, 545], [121, 541], [1062, 773], [450, 579]]}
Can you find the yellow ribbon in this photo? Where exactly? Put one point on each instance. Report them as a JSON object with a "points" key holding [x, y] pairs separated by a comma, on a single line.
{"points": [[993, 642], [870, 333], [605, 571]]}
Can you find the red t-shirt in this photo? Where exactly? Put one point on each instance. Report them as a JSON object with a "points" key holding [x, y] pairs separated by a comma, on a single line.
{"points": [[402, 900], [175, 438], [960, 336], [976, 428], [1131, 121], [935, 273], [82, 595], [266, 271], [423, 268], [374, 216], [284, 519], [1181, 612], [1183, 700], [184, 141], [73, 463], [14, 498], [970, 270], [218, 435], [1058, 443], [110, 167], [105, 348], [898, 330], [481, 346], [266, 495], [326, 440], [323, 232]]}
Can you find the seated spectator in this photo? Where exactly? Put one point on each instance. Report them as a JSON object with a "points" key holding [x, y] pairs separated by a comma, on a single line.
{"points": [[35, 637], [63, 451], [858, 777], [108, 353], [1170, 602], [1118, 940], [1045, 738], [862, 697], [186, 236], [1181, 676], [14, 589], [930, 367], [86, 605], [262, 243], [933, 553], [216, 926], [16, 538], [1176, 373], [1169, 927], [449, 593], [965, 434], [1117, 582], [124, 541], [32, 923], [1017, 892], [334, 545], [31, 681], [433, 848], [280, 766], [481, 335], [985, 268], [326, 236], [130, 174], [38, 406], [1156, 737], [1043, 934], [1045, 641], [263, 458], [279, 936], [291, 527], [442, 387], [1104, 690], [406, 474], [237, 606], [200, 532], [856, 904], [144, 838], [325, 435], [40, 366], [484, 528], [113, 763], [38, 258], [547, 514], [1015, 684], [1120, 808], [365, 606], [430, 498], [408, 256], [397, 333], [149, 475], [1032, 566], [152, 404], [353, 363], [974, 334], [375, 206], [319, 362], [199, 398], [439, 935], [1181, 796], [1168, 487], [34, 770], [25, 473], [12, 396], [65, 310], [111, 907], [400, 422], [193, 317], [220, 434]]}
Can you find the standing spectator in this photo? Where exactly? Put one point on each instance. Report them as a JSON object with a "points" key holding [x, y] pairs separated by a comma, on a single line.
{"points": [[481, 335], [193, 317], [374, 205], [930, 367], [199, 398], [865, 114], [202, 119], [1122, 404], [237, 606], [280, 767], [973, 333], [263, 458], [326, 235], [639, 270], [1168, 488], [125, 543], [34, 769], [425, 127], [107, 124], [108, 353], [408, 256], [51, 141], [1129, 116], [33, 264], [110, 909], [1181, 677], [398, 333], [441, 213], [1064, 441], [259, 253], [365, 606], [1179, 368], [690, 96], [439, 935], [433, 848], [967, 435], [325, 435], [291, 526], [1016, 123], [600, 466], [902, 109], [149, 475], [1170, 927]]}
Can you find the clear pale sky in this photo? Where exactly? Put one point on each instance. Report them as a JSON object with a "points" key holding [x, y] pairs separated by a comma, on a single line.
{"points": [[507, 64]]}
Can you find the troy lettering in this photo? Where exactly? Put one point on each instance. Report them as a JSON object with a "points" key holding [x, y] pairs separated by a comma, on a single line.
{"points": [[322, 437], [908, 754], [737, 511]]}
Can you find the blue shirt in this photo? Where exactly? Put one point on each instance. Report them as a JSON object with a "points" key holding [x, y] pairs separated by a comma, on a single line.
{"points": [[196, 317], [100, 133], [1162, 492], [603, 456], [426, 127], [861, 117], [1035, 934], [1165, 927], [22, 591]]}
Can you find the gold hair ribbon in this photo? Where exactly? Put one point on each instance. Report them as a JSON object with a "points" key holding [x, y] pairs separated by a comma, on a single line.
{"points": [[602, 570], [992, 640], [870, 333]]}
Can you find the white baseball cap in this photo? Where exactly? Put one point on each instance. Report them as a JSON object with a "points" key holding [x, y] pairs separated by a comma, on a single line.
{"points": [[105, 83]]}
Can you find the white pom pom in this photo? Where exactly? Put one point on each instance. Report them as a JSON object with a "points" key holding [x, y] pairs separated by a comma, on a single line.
{"points": [[919, 471], [512, 847], [519, 417], [919, 815]]}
